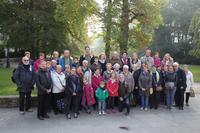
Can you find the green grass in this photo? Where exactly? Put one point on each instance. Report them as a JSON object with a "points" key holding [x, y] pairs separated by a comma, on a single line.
{"points": [[9, 88], [196, 72], [6, 85]]}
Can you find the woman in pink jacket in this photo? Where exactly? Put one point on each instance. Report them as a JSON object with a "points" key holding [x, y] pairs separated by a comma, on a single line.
{"points": [[38, 61]]}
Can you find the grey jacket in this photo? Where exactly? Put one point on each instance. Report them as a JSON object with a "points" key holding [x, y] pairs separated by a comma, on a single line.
{"points": [[24, 78], [145, 81]]}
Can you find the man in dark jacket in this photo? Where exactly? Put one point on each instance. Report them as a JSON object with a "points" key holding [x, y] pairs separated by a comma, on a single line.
{"points": [[24, 77], [181, 86], [44, 85]]}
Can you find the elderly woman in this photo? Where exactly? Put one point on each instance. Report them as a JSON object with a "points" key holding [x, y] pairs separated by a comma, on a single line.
{"points": [[117, 69], [189, 82], [107, 73], [135, 62], [59, 82], [145, 84], [128, 77], [87, 71], [167, 60]]}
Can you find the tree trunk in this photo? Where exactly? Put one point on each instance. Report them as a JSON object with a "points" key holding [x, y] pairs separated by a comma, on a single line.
{"points": [[108, 23], [124, 27]]}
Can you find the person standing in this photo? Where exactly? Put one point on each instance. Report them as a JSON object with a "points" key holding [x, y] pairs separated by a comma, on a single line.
{"points": [[135, 62], [101, 94], [170, 86], [125, 60], [181, 86], [147, 59], [66, 59], [145, 84], [59, 82], [44, 86], [115, 59], [24, 77], [189, 82], [38, 61], [72, 92], [87, 56], [102, 62]]}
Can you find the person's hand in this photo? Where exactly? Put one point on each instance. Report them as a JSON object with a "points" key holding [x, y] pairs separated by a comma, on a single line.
{"points": [[49, 91], [121, 99], [143, 89], [74, 94]]}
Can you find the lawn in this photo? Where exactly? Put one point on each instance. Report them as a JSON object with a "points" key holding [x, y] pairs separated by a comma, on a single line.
{"points": [[9, 88], [6, 85]]}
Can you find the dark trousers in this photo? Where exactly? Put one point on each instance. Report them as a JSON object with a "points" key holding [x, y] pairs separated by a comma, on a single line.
{"points": [[179, 97], [154, 99], [136, 96], [43, 102], [72, 101], [187, 97], [56, 97], [22, 97], [111, 102], [124, 104]]}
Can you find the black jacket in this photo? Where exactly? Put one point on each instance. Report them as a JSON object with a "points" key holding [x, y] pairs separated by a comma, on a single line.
{"points": [[69, 90], [181, 79], [24, 78], [43, 82], [136, 76]]}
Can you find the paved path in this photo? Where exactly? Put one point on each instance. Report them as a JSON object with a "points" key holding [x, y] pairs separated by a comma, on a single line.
{"points": [[152, 121]]}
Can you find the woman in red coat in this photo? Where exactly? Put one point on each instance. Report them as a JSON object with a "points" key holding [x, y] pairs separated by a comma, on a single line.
{"points": [[88, 98], [112, 87], [96, 79]]}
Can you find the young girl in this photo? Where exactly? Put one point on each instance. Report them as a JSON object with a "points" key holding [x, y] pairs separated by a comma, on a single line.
{"points": [[112, 86], [88, 95], [102, 95]]}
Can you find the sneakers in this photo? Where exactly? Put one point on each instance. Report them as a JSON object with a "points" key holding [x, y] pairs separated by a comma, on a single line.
{"points": [[68, 116], [141, 108], [21, 112], [40, 118], [29, 110], [103, 112], [75, 115], [99, 112], [145, 109]]}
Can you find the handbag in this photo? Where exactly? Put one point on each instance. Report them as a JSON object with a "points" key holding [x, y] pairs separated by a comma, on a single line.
{"points": [[61, 105], [169, 85], [192, 93]]}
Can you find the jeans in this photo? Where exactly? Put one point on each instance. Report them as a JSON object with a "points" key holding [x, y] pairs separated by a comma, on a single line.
{"points": [[144, 101], [22, 97], [123, 104], [170, 97], [102, 106]]}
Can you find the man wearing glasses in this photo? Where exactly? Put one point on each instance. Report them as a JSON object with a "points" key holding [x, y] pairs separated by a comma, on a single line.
{"points": [[25, 79]]}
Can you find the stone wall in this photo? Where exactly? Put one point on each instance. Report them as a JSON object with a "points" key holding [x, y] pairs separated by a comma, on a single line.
{"points": [[13, 101]]}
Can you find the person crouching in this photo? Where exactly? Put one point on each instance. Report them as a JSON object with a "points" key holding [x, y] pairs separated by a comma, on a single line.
{"points": [[124, 94]]}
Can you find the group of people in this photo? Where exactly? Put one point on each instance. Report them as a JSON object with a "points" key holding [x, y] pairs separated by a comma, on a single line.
{"points": [[67, 84]]}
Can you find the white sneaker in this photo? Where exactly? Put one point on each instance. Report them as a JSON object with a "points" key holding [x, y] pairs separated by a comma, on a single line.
{"points": [[99, 112], [103, 112], [141, 108], [21, 112], [146, 109]]}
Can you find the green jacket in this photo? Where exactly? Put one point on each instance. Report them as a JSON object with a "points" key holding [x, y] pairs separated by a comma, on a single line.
{"points": [[101, 94]]}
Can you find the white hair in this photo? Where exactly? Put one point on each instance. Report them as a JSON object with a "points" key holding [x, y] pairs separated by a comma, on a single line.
{"points": [[176, 64], [126, 66], [116, 65], [85, 61]]}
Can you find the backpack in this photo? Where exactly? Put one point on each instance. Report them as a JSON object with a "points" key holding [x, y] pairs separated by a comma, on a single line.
{"points": [[12, 77]]}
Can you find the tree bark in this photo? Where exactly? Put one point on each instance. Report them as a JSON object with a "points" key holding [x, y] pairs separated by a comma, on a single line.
{"points": [[124, 27], [108, 22]]}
